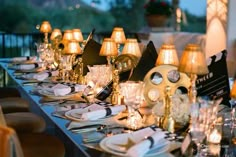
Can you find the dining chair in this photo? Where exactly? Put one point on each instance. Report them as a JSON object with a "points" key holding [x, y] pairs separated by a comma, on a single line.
{"points": [[28, 144], [11, 100], [9, 92], [17, 113], [25, 122], [10, 145]]}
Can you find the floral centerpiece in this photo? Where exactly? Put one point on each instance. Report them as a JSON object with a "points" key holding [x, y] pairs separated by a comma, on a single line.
{"points": [[154, 9], [180, 109]]}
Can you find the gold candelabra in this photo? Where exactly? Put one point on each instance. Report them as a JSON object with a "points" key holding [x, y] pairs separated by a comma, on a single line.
{"points": [[168, 121]]}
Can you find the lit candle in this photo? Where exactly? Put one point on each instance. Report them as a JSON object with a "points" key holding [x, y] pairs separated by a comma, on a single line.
{"points": [[215, 137]]}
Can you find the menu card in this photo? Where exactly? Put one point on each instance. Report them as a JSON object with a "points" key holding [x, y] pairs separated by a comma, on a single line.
{"points": [[215, 84]]}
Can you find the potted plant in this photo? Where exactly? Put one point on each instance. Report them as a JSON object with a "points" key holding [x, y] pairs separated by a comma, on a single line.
{"points": [[157, 12]]}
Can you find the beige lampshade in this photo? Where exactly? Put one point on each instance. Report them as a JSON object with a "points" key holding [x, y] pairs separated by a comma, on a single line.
{"points": [[77, 35], [193, 60], [118, 35], [56, 32], [108, 48], [233, 90], [131, 47], [45, 27], [167, 55], [68, 35], [73, 47]]}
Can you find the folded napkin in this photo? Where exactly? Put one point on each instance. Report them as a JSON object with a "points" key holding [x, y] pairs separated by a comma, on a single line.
{"points": [[39, 76], [142, 147], [28, 66], [96, 114], [21, 59], [61, 89], [43, 75]]}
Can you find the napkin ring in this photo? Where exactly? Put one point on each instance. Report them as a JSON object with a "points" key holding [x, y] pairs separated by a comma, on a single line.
{"points": [[108, 111], [36, 65], [49, 74], [151, 141]]}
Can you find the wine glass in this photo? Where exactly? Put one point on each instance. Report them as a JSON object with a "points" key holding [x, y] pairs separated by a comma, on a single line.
{"points": [[197, 128], [133, 96]]}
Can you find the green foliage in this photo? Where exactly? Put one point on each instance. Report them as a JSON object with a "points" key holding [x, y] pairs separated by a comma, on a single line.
{"points": [[129, 16], [22, 17], [158, 7]]}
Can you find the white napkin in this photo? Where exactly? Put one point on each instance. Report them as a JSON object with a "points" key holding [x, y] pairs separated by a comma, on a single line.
{"points": [[28, 66], [94, 115], [142, 147], [21, 59], [61, 89], [43, 75]]}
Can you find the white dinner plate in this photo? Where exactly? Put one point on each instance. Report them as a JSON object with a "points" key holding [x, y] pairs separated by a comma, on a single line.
{"points": [[75, 114], [51, 95], [112, 145]]}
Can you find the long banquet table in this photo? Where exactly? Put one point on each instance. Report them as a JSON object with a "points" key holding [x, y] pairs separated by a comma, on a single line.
{"points": [[57, 126]]}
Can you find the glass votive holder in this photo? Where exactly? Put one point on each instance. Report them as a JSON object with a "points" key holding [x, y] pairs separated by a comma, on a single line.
{"points": [[215, 135]]}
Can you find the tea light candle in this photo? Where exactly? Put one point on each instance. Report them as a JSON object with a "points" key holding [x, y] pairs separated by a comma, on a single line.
{"points": [[215, 137]]}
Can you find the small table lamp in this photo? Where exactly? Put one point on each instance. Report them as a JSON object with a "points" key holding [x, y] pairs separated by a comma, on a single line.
{"points": [[167, 55], [109, 49], [77, 35], [132, 47], [73, 49], [68, 35], [193, 62], [55, 33], [118, 36], [45, 28]]}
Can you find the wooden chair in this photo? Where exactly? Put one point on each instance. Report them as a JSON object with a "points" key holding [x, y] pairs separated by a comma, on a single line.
{"points": [[30, 145]]}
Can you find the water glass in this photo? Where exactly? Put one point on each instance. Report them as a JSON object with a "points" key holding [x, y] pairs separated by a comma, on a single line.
{"points": [[133, 96]]}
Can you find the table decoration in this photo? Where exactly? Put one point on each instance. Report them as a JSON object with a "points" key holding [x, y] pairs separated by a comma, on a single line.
{"points": [[146, 63], [193, 63], [132, 93], [215, 84], [118, 35], [158, 78], [180, 109], [45, 28]]}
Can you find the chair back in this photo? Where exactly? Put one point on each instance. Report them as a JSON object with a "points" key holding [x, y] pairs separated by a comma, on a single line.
{"points": [[9, 143]]}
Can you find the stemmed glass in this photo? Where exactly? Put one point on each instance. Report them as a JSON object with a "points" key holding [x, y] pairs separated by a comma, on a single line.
{"points": [[197, 128], [133, 96]]}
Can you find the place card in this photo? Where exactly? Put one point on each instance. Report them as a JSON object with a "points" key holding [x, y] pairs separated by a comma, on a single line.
{"points": [[215, 84]]}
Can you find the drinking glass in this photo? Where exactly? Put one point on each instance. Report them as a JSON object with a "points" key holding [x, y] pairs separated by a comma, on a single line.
{"points": [[133, 96], [197, 128]]}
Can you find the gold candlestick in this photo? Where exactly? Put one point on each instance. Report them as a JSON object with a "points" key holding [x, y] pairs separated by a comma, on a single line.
{"points": [[168, 121], [115, 95]]}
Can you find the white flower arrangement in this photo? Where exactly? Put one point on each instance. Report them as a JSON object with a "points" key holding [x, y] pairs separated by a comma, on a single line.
{"points": [[180, 108]]}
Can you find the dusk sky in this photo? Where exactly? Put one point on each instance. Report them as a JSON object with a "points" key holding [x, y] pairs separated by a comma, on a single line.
{"points": [[196, 7]]}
